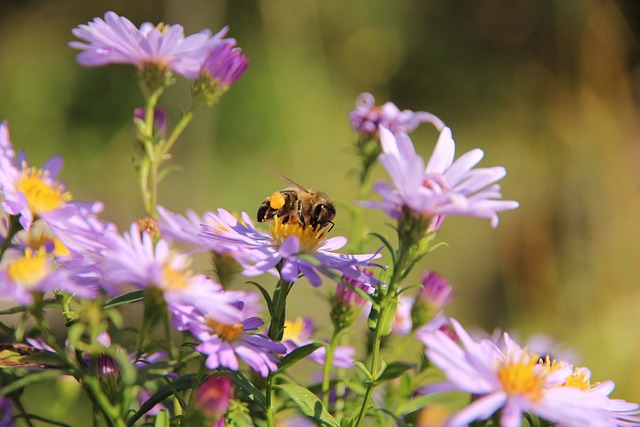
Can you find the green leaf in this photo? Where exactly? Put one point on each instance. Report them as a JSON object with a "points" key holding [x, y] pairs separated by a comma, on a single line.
{"points": [[182, 383], [265, 295], [309, 404], [241, 382], [358, 364], [393, 370], [129, 298], [32, 378], [299, 353], [416, 403], [386, 243]]}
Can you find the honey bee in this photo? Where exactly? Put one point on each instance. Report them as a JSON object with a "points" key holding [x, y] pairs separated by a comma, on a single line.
{"points": [[298, 204]]}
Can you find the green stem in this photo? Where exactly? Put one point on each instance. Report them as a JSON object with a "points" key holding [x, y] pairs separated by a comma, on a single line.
{"points": [[269, 398], [386, 305], [276, 327], [177, 131], [328, 365], [14, 228]]}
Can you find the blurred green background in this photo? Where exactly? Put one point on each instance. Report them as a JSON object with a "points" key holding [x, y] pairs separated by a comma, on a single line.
{"points": [[548, 89]]}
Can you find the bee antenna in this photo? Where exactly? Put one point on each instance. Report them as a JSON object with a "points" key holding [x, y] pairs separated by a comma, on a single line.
{"points": [[286, 179]]}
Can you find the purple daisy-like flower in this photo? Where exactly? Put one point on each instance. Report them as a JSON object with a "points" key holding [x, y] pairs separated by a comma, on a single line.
{"points": [[510, 380], [115, 40], [224, 344], [368, 117], [298, 333], [28, 191], [134, 259], [31, 272], [443, 187], [224, 64], [297, 250]]}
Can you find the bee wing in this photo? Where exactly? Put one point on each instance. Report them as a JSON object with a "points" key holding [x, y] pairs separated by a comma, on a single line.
{"points": [[289, 180]]}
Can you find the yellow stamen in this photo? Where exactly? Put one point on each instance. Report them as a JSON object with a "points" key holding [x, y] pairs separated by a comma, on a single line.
{"points": [[174, 279], [228, 333], [520, 377], [309, 237], [293, 330], [579, 380], [30, 269], [41, 196]]}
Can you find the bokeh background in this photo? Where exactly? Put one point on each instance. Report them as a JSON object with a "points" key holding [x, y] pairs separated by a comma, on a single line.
{"points": [[548, 89]]}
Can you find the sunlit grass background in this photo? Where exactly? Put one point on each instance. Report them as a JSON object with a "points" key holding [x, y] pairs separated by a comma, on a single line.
{"points": [[548, 89]]}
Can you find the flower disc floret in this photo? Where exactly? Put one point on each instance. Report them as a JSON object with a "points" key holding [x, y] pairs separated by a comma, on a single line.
{"points": [[521, 376], [309, 237], [30, 269], [41, 192]]}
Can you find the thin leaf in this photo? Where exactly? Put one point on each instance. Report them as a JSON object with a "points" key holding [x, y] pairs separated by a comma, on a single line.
{"points": [[296, 355], [393, 370], [128, 298], [241, 382], [358, 364], [41, 419], [309, 404], [386, 243], [32, 378], [181, 384], [265, 295], [416, 403]]}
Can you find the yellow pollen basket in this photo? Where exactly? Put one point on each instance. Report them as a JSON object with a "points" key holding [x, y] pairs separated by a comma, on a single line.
{"points": [[309, 237], [228, 333], [276, 201], [29, 270], [520, 377], [41, 196]]}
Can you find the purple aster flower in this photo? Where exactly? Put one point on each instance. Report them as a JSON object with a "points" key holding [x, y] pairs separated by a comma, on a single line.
{"points": [[224, 344], [35, 272], [299, 332], [115, 40], [443, 187], [224, 64], [134, 259], [367, 117], [296, 249], [28, 191], [434, 295], [510, 380], [617, 412]]}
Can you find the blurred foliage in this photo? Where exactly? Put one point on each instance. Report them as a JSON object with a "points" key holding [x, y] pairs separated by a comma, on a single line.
{"points": [[548, 89]]}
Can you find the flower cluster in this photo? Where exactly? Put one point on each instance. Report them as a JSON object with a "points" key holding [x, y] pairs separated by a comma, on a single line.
{"points": [[199, 351], [515, 381]]}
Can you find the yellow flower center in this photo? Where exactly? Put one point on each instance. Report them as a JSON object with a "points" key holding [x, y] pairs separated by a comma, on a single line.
{"points": [[38, 237], [228, 333], [29, 270], [309, 237], [293, 330], [520, 377], [174, 279], [579, 380], [41, 196]]}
